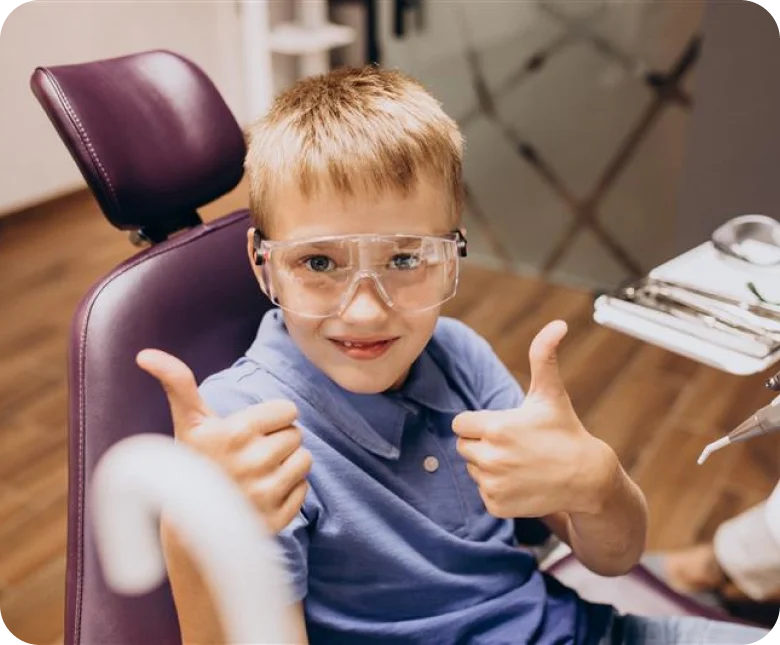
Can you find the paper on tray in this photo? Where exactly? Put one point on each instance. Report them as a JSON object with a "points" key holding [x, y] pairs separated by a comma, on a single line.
{"points": [[703, 268], [679, 342]]}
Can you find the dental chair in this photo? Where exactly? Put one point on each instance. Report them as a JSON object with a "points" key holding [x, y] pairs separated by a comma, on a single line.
{"points": [[155, 141]]}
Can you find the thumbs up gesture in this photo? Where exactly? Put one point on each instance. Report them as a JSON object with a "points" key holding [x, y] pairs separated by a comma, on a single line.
{"points": [[258, 447], [538, 459]]}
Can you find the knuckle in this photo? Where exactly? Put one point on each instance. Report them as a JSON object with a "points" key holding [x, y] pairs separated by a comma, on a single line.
{"points": [[490, 462], [261, 490], [495, 506], [488, 489], [498, 431], [493, 489], [307, 460], [296, 438], [490, 506], [472, 471], [282, 410], [274, 522]]}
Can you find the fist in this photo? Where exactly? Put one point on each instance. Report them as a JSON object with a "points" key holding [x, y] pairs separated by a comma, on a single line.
{"points": [[258, 447], [538, 459]]}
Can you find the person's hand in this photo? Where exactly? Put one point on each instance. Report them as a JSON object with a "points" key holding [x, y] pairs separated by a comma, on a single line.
{"points": [[259, 447], [538, 459]]}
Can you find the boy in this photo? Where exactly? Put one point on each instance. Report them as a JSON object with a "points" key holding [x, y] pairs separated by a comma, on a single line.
{"points": [[420, 444]]}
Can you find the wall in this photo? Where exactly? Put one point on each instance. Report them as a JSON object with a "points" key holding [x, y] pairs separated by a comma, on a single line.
{"points": [[733, 164], [34, 164]]}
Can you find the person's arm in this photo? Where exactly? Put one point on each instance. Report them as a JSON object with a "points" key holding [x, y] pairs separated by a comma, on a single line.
{"points": [[199, 620], [610, 539], [260, 449], [532, 458]]}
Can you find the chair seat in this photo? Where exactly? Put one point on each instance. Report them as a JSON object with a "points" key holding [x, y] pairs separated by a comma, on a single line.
{"points": [[637, 592]]}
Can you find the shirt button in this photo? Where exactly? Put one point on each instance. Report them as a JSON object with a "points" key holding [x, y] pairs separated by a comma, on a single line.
{"points": [[431, 464]]}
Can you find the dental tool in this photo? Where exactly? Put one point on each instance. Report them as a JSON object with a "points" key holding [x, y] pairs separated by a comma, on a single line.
{"points": [[148, 476], [765, 421]]}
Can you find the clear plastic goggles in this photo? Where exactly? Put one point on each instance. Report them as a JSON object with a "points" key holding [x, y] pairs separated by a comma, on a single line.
{"points": [[317, 278]]}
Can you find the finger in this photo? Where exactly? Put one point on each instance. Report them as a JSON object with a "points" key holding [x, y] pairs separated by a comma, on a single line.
{"points": [[266, 453], [188, 409], [481, 424], [475, 472], [470, 450], [471, 424], [261, 419], [543, 357], [269, 492], [289, 508], [294, 470]]}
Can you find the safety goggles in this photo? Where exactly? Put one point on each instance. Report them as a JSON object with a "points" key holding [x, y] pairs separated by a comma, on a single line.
{"points": [[318, 277]]}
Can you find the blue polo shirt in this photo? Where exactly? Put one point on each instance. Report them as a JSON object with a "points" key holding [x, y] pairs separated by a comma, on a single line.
{"points": [[393, 544]]}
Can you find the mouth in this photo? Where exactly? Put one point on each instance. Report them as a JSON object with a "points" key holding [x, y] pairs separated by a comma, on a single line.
{"points": [[363, 349]]}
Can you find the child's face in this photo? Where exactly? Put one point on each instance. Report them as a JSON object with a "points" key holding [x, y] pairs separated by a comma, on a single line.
{"points": [[366, 317]]}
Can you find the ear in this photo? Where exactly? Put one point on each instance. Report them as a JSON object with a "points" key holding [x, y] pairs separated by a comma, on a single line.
{"points": [[254, 240], [254, 256]]}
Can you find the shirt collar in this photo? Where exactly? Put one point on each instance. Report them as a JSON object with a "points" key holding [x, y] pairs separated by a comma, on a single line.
{"points": [[374, 421], [428, 386]]}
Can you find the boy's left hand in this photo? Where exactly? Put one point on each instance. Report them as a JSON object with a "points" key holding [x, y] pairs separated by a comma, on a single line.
{"points": [[538, 459]]}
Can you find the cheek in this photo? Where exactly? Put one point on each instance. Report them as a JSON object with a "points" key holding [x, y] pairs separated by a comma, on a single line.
{"points": [[418, 330], [423, 324], [302, 330]]}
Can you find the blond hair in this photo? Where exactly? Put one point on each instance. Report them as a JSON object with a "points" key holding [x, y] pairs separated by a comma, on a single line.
{"points": [[353, 129]]}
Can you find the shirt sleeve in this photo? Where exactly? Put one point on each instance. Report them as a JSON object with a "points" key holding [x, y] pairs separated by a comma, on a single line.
{"points": [[498, 388], [230, 391], [294, 541], [493, 385]]}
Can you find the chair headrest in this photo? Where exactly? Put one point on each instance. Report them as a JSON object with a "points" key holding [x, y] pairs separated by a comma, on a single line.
{"points": [[150, 133]]}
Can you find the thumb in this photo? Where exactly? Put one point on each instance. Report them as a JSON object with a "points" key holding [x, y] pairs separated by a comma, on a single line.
{"points": [[188, 409], [543, 357]]}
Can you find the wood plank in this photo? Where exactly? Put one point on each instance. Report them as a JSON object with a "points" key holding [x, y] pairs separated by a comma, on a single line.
{"points": [[629, 413], [35, 611], [681, 495], [29, 545], [589, 367], [513, 345], [495, 308]]}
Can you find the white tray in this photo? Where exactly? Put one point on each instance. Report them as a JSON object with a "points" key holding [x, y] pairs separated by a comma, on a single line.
{"points": [[701, 267]]}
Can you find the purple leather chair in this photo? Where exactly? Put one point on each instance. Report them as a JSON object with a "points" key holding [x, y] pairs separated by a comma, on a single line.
{"points": [[155, 141]]}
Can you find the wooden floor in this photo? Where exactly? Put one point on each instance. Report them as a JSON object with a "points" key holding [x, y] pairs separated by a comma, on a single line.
{"points": [[656, 409]]}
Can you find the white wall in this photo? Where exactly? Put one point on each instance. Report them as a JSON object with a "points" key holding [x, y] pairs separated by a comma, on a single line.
{"points": [[34, 164]]}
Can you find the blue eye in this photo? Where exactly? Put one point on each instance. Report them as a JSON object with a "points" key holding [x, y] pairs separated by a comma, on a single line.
{"points": [[405, 261], [319, 263]]}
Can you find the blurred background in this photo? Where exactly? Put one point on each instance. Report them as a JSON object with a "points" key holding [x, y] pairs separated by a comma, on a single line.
{"points": [[602, 138]]}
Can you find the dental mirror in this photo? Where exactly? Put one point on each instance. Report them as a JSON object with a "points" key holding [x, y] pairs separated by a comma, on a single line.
{"points": [[754, 239]]}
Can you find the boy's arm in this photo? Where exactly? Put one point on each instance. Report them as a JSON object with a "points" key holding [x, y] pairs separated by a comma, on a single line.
{"points": [[533, 457], [257, 446], [610, 539], [199, 620]]}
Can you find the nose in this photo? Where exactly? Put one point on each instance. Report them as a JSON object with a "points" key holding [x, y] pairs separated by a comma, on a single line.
{"points": [[365, 304]]}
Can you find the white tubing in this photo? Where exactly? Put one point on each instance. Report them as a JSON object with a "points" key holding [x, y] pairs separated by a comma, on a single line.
{"points": [[145, 476]]}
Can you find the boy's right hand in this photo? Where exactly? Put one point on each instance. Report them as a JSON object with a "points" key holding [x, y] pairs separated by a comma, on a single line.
{"points": [[259, 447]]}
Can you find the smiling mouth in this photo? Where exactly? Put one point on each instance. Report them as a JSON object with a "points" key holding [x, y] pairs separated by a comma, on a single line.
{"points": [[364, 350]]}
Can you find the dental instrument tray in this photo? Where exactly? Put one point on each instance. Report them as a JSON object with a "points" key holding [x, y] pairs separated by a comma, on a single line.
{"points": [[702, 306]]}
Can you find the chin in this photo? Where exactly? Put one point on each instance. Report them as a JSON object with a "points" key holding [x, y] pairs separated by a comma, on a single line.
{"points": [[364, 381]]}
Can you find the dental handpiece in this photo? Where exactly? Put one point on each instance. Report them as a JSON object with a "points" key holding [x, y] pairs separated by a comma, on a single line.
{"points": [[765, 421]]}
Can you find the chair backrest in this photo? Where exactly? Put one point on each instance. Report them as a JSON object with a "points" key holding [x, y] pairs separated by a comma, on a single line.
{"points": [[154, 141]]}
